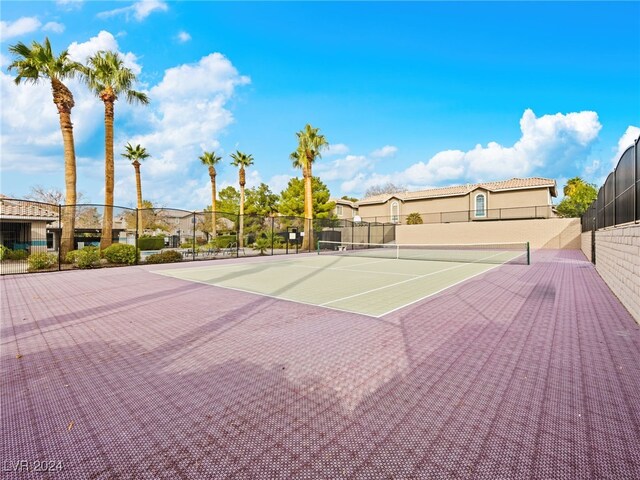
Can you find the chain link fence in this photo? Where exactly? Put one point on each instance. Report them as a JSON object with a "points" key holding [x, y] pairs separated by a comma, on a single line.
{"points": [[33, 236]]}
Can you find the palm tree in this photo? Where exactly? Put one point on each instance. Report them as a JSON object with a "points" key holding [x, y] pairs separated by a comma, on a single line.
{"points": [[108, 78], [310, 145], [241, 160], [211, 159], [38, 63], [135, 154]]}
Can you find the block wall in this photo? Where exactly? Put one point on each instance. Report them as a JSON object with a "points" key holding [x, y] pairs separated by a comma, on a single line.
{"points": [[618, 263]]}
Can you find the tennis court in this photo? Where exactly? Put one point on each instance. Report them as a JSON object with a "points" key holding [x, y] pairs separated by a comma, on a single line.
{"points": [[370, 279]]}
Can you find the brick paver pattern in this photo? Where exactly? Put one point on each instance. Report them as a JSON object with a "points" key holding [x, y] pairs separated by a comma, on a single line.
{"points": [[522, 372]]}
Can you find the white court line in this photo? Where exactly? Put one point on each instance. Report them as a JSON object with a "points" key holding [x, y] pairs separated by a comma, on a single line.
{"points": [[439, 291], [338, 309], [403, 281]]}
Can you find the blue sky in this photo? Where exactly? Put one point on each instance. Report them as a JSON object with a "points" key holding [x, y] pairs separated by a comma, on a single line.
{"points": [[420, 94]]}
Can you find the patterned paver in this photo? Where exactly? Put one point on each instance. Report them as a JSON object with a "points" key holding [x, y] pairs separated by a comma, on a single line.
{"points": [[522, 372]]}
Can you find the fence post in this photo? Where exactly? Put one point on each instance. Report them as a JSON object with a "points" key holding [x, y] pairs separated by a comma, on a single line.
{"points": [[136, 236], [272, 235], [59, 237], [193, 232]]}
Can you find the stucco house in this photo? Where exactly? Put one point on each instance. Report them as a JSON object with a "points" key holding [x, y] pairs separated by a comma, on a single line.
{"points": [[516, 198], [26, 225]]}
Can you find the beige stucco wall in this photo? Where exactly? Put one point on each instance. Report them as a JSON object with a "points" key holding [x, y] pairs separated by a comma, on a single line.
{"points": [[514, 203], [585, 244], [618, 263], [561, 233]]}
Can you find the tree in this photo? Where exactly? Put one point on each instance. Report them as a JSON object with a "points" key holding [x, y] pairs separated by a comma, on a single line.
{"points": [[310, 146], [35, 64], [385, 188], [261, 201], [51, 195], [134, 155], [149, 218], [292, 199], [241, 160], [87, 217], [229, 204], [108, 78], [579, 195], [414, 218], [229, 201], [348, 198], [210, 159]]}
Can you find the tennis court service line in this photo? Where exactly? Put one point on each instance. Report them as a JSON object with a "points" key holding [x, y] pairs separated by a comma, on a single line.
{"points": [[408, 280]]}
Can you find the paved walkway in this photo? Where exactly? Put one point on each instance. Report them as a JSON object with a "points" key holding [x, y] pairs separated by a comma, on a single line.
{"points": [[523, 372]]}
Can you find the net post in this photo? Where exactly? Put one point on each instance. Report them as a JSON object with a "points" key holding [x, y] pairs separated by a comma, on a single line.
{"points": [[397, 251], [528, 254], [318, 246]]}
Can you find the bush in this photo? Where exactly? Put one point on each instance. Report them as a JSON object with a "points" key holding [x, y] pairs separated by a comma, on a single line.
{"points": [[414, 219], [223, 241], [167, 256], [17, 254], [121, 253], [262, 244], [85, 258], [147, 242], [42, 260], [4, 252]]}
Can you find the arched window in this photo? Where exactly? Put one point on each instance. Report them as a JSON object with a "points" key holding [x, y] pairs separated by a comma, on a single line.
{"points": [[481, 205], [395, 212]]}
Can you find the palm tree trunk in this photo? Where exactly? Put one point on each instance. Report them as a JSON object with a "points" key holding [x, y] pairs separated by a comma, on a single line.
{"points": [[107, 217], [212, 175], [308, 208], [69, 211], [241, 220], [136, 165]]}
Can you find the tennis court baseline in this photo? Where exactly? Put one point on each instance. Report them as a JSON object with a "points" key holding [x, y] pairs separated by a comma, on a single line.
{"points": [[366, 283]]}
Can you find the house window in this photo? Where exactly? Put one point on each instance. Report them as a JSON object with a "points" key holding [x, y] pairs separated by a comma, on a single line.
{"points": [[395, 212], [481, 205], [339, 210]]}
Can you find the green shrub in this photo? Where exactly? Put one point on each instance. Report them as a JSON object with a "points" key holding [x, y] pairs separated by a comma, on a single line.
{"points": [[42, 260], [121, 253], [4, 252], [167, 256], [17, 254], [147, 242], [262, 244], [223, 241], [85, 258], [414, 219]]}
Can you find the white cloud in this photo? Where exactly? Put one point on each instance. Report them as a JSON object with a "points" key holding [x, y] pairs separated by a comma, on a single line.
{"points": [[343, 168], [54, 27], [69, 4], [547, 144], [19, 27], [336, 149], [384, 152], [183, 37], [626, 140], [140, 10], [278, 183], [186, 115], [103, 41]]}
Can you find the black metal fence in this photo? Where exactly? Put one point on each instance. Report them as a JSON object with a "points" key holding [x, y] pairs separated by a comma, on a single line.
{"points": [[31, 233], [618, 200], [509, 213]]}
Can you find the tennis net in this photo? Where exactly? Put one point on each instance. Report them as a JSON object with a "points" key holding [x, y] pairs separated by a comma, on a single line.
{"points": [[513, 253]]}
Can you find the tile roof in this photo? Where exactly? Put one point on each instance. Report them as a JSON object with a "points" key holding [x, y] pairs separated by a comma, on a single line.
{"points": [[511, 184], [23, 208]]}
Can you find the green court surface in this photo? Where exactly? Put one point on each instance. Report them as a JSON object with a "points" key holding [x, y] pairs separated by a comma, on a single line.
{"points": [[369, 286]]}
